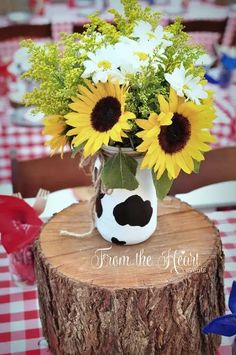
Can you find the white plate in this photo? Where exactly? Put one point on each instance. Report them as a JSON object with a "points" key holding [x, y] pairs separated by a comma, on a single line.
{"points": [[175, 10], [6, 189], [19, 16], [222, 194], [19, 118], [56, 202]]}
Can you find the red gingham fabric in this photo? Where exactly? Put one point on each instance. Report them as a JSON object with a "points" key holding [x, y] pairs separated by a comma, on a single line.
{"points": [[28, 143], [207, 39], [20, 328], [224, 128], [63, 17], [59, 27]]}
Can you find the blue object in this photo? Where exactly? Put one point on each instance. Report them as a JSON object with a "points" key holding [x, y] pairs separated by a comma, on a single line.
{"points": [[228, 64], [225, 325]]}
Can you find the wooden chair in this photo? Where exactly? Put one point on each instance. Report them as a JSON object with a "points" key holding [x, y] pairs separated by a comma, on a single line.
{"points": [[215, 26], [78, 28], [219, 166], [25, 31], [22, 30], [209, 33], [50, 173]]}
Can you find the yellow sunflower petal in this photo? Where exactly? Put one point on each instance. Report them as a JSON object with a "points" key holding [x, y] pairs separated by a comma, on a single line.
{"points": [[115, 136], [127, 116], [165, 119], [181, 163], [80, 107], [164, 106], [88, 146], [101, 90], [73, 131], [154, 132], [170, 166], [86, 93], [85, 100], [161, 169], [173, 100], [98, 143], [55, 126], [153, 118], [93, 89], [144, 124]]}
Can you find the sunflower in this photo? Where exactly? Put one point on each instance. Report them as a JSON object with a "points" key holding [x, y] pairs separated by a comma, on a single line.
{"points": [[55, 126], [177, 136], [100, 116]]}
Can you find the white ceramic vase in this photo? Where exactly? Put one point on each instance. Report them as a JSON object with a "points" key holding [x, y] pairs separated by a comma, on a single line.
{"points": [[128, 217]]}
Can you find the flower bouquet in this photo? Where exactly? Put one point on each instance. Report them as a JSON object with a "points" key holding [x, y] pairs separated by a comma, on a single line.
{"points": [[129, 96]]}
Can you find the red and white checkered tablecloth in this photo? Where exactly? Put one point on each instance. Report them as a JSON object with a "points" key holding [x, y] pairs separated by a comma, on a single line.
{"points": [[224, 128], [20, 328], [27, 142], [63, 17], [225, 221]]}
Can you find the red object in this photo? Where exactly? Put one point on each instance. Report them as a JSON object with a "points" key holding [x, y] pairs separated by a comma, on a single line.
{"points": [[19, 224], [21, 264], [4, 76], [37, 6], [71, 3]]}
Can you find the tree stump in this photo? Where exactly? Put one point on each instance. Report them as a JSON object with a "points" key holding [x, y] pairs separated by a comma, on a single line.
{"points": [[151, 298]]}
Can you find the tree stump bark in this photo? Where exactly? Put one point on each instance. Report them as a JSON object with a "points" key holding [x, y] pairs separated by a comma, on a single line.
{"points": [[151, 298]]}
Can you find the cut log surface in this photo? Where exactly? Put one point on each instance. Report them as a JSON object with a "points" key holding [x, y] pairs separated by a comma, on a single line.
{"points": [[150, 298]]}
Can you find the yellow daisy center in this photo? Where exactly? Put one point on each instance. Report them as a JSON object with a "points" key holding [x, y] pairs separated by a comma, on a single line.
{"points": [[105, 114], [104, 64], [174, 137], [151, 35], [141, 55]]}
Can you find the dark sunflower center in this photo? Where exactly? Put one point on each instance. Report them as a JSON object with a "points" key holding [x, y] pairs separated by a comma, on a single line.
{"points": [[105, 114], [173, 138]]}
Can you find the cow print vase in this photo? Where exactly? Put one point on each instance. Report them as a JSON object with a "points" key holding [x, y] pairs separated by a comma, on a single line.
{"points": [[128, 217]]}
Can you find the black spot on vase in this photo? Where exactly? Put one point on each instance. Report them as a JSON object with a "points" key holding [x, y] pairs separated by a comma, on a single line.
{"points": [[99, 209], [133, 211], [117, 241]]}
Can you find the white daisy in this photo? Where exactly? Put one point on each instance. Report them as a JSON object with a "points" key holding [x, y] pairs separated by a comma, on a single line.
{"points": [[143, 30], [134, 54], [186, 84], [102, 65]]}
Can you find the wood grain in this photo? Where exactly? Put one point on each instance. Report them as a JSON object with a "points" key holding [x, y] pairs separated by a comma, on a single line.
{"points": [[157, 295]]}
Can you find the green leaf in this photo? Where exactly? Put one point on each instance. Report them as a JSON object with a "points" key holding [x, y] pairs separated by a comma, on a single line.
{"points": [[119, 172], [162, 185], [196, 166]]}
